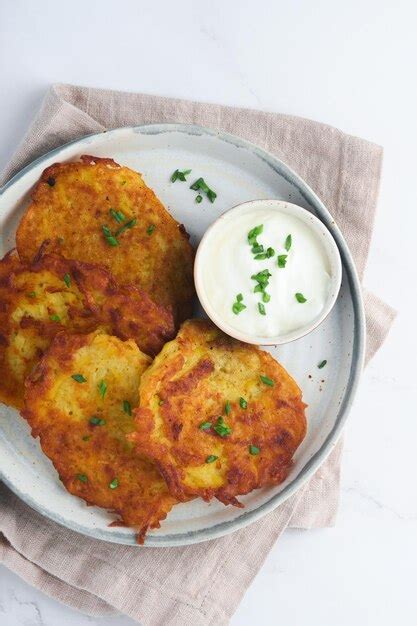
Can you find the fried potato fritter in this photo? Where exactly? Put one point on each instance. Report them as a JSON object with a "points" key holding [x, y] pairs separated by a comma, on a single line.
{"points": [[218, 416], [100, 212], [52, 294], [79, 402]]}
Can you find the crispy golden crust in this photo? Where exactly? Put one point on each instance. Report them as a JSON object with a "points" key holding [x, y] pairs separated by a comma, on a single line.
{"points": [[68, 212], [190, 383], [95, 461], [36, 303]]}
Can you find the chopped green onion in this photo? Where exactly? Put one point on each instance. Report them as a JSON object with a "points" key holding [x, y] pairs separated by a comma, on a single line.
{"points": [[257, 248], [239, 297], [282, 260], [178, 175], [199, 198], [252, 234], [102, 388], [261, 308], [201, 185], [259, 288], [227, 407], [300, 298], [211, 195], [150, 229], [261, 257], [86, 437], [205, 426], [267, 381], [254, 450], [114, 483], [221, 428], [237, 307], [288, 242], [82, 477], [111, 240], [31, 294], [79, 378], [211, 458], [67, 279], [243, 403], [126, 407], [97, 421], [270, 252], [117, 215], [266, 297], [129, 224], [54, 318], [322, 364]]}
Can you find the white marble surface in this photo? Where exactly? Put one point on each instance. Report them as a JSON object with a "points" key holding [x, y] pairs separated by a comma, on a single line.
{"points": [[349, 64]]}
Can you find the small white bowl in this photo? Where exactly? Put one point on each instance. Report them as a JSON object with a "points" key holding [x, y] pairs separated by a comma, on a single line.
{"points": [[329, 247]]}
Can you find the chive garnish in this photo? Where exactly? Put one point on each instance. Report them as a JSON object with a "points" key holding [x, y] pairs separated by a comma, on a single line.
{"points": [[252, 234], [199, 198], [86, 437], [31, 294], [282, 260], [129, 224], [266, 297], [211, 458], [300, 298], [270, 252], [102, 388], [97, 421], [221, 428], [54, 318], [254, 450], [288, 242], [243, 403], [227, 407], [257, 248], [111, 240], [322, 364], [267, 381], [261, 308], [67, 279], [114, 483], [126, 407], [117, 215], [205, 426], [82, 477], [51, 181], [150, 229], [261, 257], [201, 185], [79, 378], [238, 305], [178, 175]]}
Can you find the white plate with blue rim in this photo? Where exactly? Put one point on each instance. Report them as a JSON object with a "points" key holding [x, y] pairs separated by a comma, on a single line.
{"points": [[238, 171]]}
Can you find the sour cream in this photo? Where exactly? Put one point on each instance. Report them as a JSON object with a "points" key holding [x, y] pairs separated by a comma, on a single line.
{"points": [[296, 284]]}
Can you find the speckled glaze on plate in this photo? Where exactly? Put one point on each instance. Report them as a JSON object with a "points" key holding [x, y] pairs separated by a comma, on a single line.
{"points": [[238, 171]]}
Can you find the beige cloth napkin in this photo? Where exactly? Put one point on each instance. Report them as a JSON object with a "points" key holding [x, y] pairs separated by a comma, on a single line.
{"points": [[201, 584]]}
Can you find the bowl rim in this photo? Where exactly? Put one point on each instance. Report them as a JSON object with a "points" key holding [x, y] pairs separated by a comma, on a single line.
{"points": [[330, 247]]}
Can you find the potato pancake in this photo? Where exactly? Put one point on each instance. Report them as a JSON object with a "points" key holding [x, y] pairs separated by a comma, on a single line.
{"points": [[219, 417], [100, 212], [79, 402], [52, 294]]}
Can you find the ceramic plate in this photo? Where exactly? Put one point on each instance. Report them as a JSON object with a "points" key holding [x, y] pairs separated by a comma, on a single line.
{"points": [[238, 171]]}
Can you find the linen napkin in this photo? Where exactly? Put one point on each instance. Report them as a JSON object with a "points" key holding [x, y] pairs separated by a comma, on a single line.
{"points": [[200, 584]]}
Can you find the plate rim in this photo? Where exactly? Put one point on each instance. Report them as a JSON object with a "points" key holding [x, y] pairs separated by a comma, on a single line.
{"points": [[358, 348]]}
